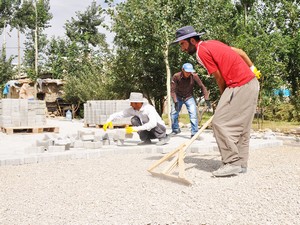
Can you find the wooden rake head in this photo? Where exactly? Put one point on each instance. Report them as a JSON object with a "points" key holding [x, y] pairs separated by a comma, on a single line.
{"points": [[178, 156]]}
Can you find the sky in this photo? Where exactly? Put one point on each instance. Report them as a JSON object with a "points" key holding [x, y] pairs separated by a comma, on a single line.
{"points": [[62, 10]]}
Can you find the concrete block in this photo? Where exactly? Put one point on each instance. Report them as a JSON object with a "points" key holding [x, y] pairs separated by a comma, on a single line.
{"points": [[79, 155], [34, 150], [92, 154], [50, 137], [78, 144], [98, 144], [97, 137], [80, 133], [105, 136], [45, 143], [137, 150], [56, 148], [106, 142], [63, 142], [120, 142], [23, 123], [127, 136], [30, 159], [105, 139], [13, 162], [269, 135], [87, 137], [92, 145], [68, 146], [62, 156], [45, 158], [88, 144], [110, 134], [120, 135]]}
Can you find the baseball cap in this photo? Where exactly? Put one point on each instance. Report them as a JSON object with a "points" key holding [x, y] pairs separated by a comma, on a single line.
{"points": [[188, 68]]}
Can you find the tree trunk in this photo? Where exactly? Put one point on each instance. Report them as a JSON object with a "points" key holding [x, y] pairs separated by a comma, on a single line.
{"points": [[19, 53], [166, 59]]}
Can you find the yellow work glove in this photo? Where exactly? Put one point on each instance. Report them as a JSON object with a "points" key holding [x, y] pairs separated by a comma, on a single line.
{"points": [[255, 71], [109, 125], [129, 130]]}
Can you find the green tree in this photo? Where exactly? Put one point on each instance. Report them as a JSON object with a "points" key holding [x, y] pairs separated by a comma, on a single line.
{"points": [[6, 71], [81, 58], [87, 83], [39, 11], [7, 10], [144, 30], [84, 29]]}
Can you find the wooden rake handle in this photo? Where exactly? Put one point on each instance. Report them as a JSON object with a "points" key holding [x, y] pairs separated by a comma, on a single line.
{"points": [[182, 147]]}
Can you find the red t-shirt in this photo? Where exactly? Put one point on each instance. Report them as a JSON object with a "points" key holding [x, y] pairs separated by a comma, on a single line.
{"points": [[214, 55]]}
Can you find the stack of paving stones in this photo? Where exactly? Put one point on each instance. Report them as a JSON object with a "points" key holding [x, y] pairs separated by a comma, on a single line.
{"points": [[22, 112], [97, 112], [80, 141]]}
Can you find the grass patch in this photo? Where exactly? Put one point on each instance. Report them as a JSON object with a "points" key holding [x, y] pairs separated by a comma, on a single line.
{"points": [[281, 126]]}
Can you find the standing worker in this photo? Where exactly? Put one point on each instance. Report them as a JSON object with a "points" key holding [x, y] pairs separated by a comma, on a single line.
{"points": [[235, 75], [182, 93], [145, 120]]}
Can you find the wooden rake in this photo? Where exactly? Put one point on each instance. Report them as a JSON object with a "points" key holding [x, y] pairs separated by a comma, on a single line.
{"points": [[178, 160]]}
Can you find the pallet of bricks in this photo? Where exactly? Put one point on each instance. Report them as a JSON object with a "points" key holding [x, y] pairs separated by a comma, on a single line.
{"points": [[23, 115], [96, 112]]}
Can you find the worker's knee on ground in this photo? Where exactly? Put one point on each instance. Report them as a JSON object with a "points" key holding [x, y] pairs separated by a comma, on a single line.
{"points": [[135, 121]]}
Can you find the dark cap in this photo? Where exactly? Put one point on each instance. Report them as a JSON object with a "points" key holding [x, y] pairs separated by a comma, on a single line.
{"points": [[185, 32]]}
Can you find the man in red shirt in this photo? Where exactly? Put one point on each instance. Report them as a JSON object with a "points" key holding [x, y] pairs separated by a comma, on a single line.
{"points": [[235, 75]]}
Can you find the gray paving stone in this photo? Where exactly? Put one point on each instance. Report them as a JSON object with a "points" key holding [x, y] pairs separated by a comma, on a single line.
{"points": [[78, 144], [30, 159], [18, 154], [79, 155], [63, 156], [46, 158], [56, 148], [92, 154], [34, 149], [14, 161]]}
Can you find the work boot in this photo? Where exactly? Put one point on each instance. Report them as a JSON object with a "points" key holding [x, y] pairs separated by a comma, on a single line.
{"points": [[146, 142], [227, 170], [163, 141], [174, 133], [244, 170]]}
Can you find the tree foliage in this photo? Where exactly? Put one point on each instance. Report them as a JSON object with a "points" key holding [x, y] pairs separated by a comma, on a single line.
{"points": [[81, 57], [84, 29], [267, 30], [37, 21]]}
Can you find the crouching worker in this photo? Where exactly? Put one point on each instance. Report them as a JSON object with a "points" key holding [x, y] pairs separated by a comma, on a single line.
{"points": [[145, 120]]}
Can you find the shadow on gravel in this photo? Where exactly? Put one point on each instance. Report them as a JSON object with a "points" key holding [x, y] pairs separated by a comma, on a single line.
{"points": [[191, 162], [207, 165]]}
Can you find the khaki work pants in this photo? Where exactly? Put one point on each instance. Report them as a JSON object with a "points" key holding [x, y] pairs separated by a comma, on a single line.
{"points": [[232, 122]]}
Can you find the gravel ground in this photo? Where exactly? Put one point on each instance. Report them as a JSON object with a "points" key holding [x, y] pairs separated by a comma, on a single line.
{"points": [[117, 189]]}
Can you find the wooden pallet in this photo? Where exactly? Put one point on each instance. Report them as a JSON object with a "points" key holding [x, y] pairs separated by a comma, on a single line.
{"points": [[89, 125], [28, 129], [101, 125]]}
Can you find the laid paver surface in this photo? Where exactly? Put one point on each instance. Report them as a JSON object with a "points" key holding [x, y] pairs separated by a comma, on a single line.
{"points": [[14, 147]]}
